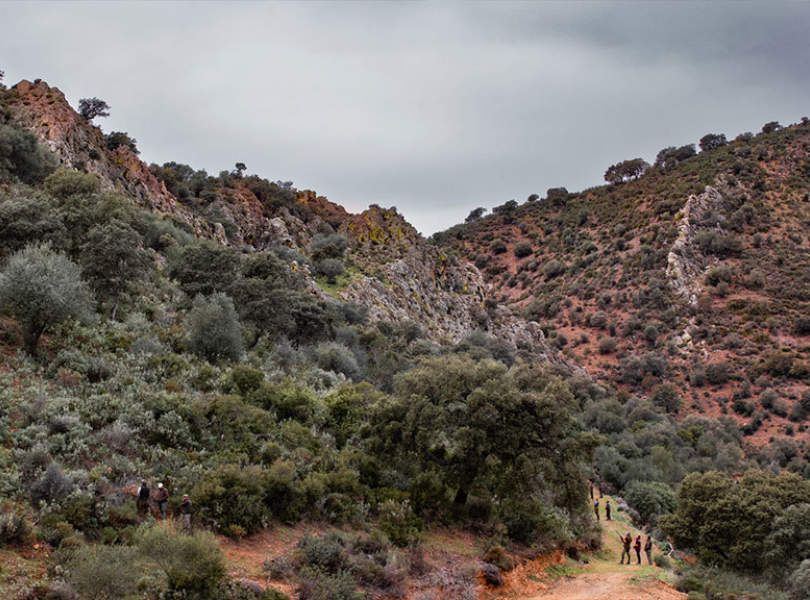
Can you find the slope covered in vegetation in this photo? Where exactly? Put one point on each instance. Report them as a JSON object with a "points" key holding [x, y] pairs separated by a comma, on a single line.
{"points": [[282, 361]]}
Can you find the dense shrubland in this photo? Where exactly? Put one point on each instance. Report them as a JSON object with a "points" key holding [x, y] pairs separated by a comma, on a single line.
{"points": [[230, 376]]}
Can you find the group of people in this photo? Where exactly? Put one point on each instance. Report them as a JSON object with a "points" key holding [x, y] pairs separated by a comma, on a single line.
{"points": [[627, 541], [161, 498]]}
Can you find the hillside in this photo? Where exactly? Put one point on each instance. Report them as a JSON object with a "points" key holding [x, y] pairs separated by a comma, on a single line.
{"points": [[695, 275], [357, 412]]}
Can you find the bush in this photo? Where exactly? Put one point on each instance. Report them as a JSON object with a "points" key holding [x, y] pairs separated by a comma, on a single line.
{"points": [[22, 157], [117, 139], [650, 499], [667, 397], [717, 373], [332, 356], [214, 331], [193, 564], [331, 268], [553, 268], [598, 319], [315, 585], [325, 246], [64, 183], [498, 246], [607, 345], [54, 485], [800, 582], [399, 522], [42, 288], [99, 572], [230, 496], [523, 249], [14, 528]]}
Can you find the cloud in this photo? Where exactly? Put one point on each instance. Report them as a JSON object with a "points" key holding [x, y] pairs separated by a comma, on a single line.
{"points": [[433, 107]]}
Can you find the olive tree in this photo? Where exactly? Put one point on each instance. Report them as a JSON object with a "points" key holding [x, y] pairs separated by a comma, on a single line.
{"points": [[41, 288], [214, 328]]}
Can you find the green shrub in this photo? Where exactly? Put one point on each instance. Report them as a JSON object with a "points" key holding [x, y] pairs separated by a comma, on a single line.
{"points": [[64, 183], [522, 249], [42, 288], [233, 496], [315, 585], [553, 268], [662, 561], [331, 268], [14, 528], [22, 157], [246, 379], [717, 373], [193, 564], [498, 246], [214, 331], [398, 521], [650, 499], [101, 572], [607, 345]]}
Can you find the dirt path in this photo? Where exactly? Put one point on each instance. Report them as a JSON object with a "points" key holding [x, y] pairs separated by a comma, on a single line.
{"points": [[603, 578]]}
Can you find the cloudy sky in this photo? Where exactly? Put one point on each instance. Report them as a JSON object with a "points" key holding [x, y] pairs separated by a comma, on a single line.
{"points": [[435, 108]]}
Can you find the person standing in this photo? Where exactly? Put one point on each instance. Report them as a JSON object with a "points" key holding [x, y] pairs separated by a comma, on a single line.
{"points": [[143, 499], [591, 487], [637, 548], [162, 499], [596, 508], [626, 541], [648, 550], [607, 509], [601, 488], [185, 510]]}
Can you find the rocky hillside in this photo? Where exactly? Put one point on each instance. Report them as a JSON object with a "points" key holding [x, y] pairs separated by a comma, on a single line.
{"points": [[390, 268], [696, 273]]}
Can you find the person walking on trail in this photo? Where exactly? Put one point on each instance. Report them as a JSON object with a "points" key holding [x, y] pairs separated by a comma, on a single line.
{"points": [[162, 499], [143, 499], [637, 548], [601, 488], [185, 510], [607, 509], [648, 550], [591, 487], [626, 541], [596, 508]]}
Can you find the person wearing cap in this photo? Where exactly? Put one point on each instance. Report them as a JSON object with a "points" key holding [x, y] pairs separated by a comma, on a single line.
{"points": [[162, 499], [185, 510]]}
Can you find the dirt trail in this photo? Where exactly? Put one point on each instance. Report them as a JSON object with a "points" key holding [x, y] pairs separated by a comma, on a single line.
{"points": [[603, 578]]}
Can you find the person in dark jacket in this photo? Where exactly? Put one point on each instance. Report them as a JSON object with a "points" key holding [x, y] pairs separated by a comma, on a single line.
{"points": [[626, 541], [185, 510], [637, 548], [648, 550], [590, 485], [162, 499], [607, 509], [143, 499], [596, 508]]}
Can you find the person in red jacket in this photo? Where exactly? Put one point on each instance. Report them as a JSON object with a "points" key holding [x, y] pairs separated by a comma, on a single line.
{"points": [[637, 548]]}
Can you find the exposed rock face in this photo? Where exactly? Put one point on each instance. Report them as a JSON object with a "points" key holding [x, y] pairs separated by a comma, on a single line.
{"points": [[685, 263]]}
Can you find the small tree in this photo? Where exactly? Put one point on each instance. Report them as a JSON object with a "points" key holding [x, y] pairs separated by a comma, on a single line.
{"points": [[41, 288], [771, 126], [90, 108], [114, 259], [475, 214], [116, 139], [710, 141], [626, 170], [240, 168], [214, 329]]}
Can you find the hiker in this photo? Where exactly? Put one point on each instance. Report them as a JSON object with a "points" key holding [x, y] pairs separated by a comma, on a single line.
{"points": [[143, 499], [648, 550], [607, 509], [637, 548], [591, 486], [626, 541], [596, 508], [162, 499], [601, 488], [185, 510]]}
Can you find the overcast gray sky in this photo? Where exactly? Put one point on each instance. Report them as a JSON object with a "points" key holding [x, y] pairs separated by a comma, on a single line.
{"points": [[435, 108]]}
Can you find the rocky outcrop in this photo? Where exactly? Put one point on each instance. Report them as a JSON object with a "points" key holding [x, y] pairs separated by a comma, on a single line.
{"points": [[685, 263]]}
